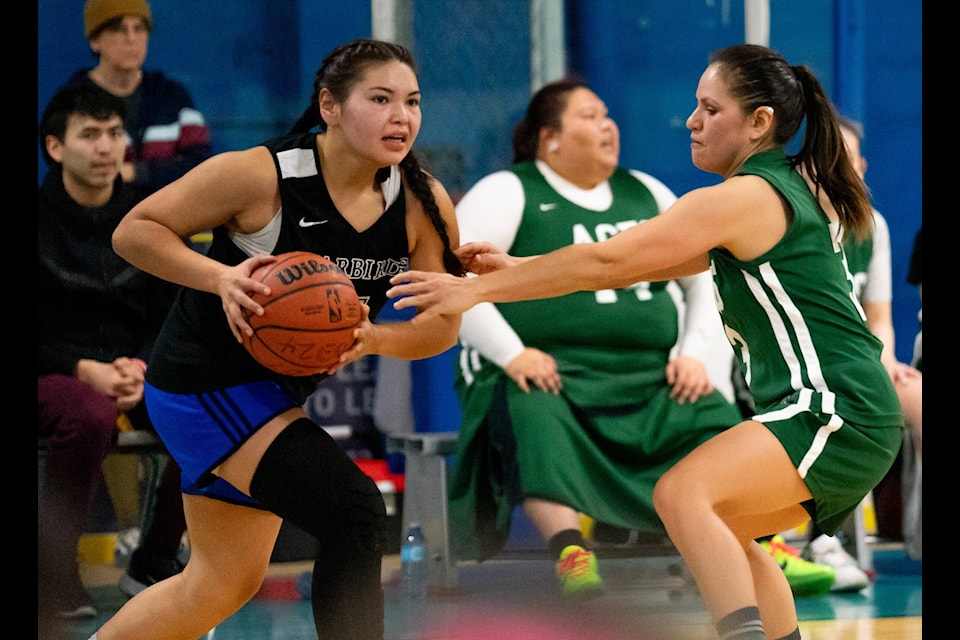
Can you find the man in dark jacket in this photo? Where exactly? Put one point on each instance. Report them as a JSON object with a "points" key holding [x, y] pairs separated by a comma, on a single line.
{"points": [[97, 319]]}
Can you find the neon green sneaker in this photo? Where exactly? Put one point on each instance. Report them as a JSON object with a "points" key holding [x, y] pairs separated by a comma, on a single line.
{"points": [[577, 571], [805, 578]]}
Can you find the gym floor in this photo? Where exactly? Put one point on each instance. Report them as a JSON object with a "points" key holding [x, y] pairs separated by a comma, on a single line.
{"points": [[515, 597]]}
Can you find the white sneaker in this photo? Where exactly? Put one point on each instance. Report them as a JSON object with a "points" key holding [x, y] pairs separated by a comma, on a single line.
{"points": [[827, 550], [127, 542]]}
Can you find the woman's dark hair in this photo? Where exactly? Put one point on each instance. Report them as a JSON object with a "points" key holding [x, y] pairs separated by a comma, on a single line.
{"points": [[340, 71], [757, 76], [81, 100], [545, 110]]}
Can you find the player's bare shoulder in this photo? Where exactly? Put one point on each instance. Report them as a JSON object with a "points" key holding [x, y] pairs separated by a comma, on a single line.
{"points": [[753, 213], [244, 184]]}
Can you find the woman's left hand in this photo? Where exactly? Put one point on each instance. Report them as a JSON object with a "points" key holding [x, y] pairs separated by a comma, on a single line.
{"points": [[484, 257], [364, 342]]}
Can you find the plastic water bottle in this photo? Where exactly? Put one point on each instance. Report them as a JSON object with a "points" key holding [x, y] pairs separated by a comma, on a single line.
{"points": [[413, 564]]}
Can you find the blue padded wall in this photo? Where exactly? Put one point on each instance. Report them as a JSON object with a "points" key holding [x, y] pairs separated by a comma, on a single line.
{"points": [[644, 59], [250, 67]]}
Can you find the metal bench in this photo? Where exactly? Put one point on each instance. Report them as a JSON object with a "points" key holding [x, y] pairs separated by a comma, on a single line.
{"points": [[425, 501], [425, 497]]}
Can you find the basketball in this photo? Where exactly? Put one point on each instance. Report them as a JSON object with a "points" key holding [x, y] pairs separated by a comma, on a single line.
{"points": [[308, 318]]}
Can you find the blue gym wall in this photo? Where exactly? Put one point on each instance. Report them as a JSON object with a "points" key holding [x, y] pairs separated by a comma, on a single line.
{"points": [[250, 67]]}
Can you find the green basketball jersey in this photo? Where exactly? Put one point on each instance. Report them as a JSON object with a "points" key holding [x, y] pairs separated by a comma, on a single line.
{"points": [[600, 445], [627, 331], [792, 316]]}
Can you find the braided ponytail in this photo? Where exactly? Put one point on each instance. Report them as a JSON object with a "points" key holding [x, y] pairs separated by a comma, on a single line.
{"points": [[419, 182]]}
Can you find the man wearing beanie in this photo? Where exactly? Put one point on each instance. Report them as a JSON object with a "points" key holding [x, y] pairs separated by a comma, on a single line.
{"points": [[167, 135]]}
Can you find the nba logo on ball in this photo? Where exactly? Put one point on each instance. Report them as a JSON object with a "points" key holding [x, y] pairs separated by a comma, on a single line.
{"points": [[308, 318]]}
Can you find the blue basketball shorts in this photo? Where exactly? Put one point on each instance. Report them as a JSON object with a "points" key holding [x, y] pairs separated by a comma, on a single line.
{"points": [[201, 430]]}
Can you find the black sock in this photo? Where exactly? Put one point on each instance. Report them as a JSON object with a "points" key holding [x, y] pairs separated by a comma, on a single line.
{"points": [[742, 624], [564, 539], [795, 635], [610, 533]]}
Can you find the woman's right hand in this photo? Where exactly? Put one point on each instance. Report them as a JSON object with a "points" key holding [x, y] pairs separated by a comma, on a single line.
{"points": [[234, 286], [538, 367]]}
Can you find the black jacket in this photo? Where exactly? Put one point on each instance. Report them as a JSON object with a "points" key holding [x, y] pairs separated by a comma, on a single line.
{"points": [[91, 302]]}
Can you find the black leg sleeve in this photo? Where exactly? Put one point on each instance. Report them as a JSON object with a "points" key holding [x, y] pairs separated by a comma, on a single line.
{"points": [[306, 478]]}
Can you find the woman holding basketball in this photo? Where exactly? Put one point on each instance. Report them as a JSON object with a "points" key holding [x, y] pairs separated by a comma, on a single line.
{"points": [[250, 456], [828, 422]]}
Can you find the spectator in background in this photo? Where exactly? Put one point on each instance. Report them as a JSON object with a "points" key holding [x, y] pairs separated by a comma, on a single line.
{"points": [[167, 135], [97, 318], [912, 471], [868, 262], [914, 278], [577, 404]]}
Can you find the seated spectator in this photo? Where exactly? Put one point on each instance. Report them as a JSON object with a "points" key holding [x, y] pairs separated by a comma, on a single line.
{"points": [[167, 135], [912, 471], [783, 290], [97, 319], [576, 405], [868, 263]]}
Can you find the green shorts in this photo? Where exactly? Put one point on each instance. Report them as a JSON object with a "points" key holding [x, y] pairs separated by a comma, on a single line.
{"points": [[840, 462]]}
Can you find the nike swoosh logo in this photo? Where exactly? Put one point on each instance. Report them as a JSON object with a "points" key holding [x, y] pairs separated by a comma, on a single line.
{"points": [[309, 223], [547, 206]]}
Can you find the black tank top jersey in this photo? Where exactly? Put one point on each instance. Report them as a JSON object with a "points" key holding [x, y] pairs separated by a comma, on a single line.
{"points": [[196, 351]]}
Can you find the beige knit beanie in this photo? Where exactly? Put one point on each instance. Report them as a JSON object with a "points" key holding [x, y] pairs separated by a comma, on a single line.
{"points": [[96, 12]]}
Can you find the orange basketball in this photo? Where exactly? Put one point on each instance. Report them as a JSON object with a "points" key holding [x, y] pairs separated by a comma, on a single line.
{"points": [[308, 318]]}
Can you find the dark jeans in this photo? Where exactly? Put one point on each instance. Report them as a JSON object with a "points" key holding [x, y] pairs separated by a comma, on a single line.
{"points": [[80, 425]]}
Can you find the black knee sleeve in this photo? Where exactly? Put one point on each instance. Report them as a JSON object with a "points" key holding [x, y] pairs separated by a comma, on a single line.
{"points": [[306, 478]]}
